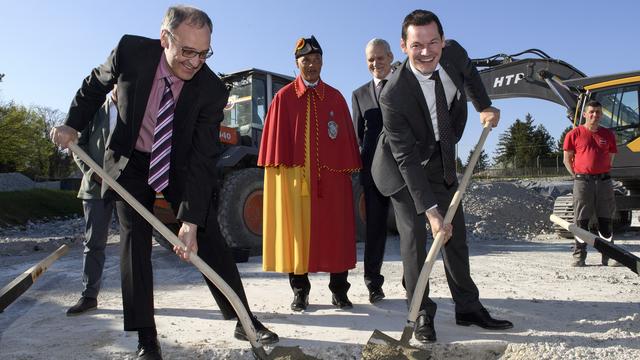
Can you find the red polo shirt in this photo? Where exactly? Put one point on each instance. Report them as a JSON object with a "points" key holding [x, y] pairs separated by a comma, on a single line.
{"points": [[591, 149]]}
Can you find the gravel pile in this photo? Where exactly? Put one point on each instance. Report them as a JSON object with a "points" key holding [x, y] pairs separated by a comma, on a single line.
{"points": [[504, 210], [493, 211], [15, 182], [19, 182]]}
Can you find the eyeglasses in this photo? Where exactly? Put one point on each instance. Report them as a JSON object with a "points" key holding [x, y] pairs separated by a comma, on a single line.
{"points": [[190, 52]]}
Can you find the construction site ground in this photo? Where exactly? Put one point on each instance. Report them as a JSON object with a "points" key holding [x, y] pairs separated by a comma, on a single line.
{"points": [[559, 312]]}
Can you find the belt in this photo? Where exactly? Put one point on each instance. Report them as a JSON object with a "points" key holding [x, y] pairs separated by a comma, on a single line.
{"points": [[589, 177]]}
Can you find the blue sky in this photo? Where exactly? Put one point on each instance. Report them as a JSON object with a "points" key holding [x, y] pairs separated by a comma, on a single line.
{"points": [[48, 47]]}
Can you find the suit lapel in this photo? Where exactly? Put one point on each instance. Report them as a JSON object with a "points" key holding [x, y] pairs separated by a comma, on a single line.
{"points": [[416, 91], [148, 66], [184, 106], [372, 92], [451, 70]]}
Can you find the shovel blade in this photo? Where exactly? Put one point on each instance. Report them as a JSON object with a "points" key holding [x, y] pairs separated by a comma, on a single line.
{"points": [[383, 347]]}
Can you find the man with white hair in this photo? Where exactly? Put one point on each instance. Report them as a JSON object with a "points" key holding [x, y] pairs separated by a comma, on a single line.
{"points": [[367, 120]]}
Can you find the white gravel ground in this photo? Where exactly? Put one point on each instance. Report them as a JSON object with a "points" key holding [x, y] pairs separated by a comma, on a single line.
{"points": [[521, 270]]}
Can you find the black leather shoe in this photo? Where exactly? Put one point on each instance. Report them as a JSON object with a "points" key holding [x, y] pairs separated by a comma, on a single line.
{"points": [[264, 335], [300, 302], [341, 301], [376, 295], [424, 331], [149, 350], [83, 305], [482, 319]]}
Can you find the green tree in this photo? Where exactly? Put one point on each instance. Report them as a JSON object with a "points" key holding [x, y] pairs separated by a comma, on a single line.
{"points": [[25, 145], [459, 166], [560, 142], [522, 144], [61, 164], [482, 163]]}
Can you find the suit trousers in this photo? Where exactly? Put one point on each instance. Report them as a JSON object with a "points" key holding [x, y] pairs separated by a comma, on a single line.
{"points": [[377, 208], [455, 254], [97, 216], [338, 283], [135, 244]]}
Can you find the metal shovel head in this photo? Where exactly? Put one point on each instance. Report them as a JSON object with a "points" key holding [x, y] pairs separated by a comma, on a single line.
{"points": [[282, 353], [383, 347]]}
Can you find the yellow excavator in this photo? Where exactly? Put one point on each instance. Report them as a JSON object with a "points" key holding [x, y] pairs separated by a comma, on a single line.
{"points": [[534, 74]]}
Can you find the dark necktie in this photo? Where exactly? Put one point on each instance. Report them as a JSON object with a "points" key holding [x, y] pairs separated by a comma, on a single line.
{"points": [[379, 88], [161, 149], [447, 148]]}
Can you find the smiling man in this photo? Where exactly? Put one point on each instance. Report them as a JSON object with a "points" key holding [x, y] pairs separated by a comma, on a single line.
{"points": [[424, 112], [170, 105], [589, 150], [367, 120]]}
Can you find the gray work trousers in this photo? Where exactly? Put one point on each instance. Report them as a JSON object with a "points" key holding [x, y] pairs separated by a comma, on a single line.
{"points": [[97, 216]]}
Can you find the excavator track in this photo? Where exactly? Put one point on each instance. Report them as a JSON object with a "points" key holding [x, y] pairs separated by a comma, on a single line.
{"points": [[563, 208]]}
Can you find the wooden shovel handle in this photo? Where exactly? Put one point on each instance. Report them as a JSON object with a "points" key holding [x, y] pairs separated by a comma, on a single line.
{"points": [[423, 279], [222, 285]]}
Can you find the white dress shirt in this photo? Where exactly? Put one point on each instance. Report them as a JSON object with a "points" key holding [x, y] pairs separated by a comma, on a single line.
{"points": [[428, 90]]}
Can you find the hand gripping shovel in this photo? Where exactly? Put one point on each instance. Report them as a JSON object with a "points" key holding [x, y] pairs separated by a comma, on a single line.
{"points": [[606, 248], [382, 346], [258, 351]]}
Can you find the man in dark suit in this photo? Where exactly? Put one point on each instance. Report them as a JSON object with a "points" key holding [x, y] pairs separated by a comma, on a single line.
{"points": [[367, 120], [424, 112], [170, 105]]}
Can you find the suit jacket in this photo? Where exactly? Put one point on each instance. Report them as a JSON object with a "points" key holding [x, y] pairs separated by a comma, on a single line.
{"points": [[93, 140], [198, 113], [408, 141], [367, 120]]}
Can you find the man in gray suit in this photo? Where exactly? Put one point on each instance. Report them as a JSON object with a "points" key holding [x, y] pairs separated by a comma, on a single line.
{"points": [[97, 209], [424, 112], [367, 120]]}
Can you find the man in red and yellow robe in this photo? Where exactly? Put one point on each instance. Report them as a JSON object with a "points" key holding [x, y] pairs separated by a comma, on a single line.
{"points": [[309, 152]]}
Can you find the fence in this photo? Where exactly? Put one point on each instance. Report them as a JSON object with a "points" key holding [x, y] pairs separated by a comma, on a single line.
{"points": [[549, 167]]}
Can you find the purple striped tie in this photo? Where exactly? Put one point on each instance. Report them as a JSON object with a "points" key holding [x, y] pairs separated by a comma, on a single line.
{"points": [[161, 149]]}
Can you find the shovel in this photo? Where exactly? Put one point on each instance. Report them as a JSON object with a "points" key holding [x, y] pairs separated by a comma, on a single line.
{"points": [[382, 346], [258, 350], [606, 248]]}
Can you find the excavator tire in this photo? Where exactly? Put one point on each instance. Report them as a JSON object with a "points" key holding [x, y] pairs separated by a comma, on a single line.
{"points": [[563, 208], [240, 209]]}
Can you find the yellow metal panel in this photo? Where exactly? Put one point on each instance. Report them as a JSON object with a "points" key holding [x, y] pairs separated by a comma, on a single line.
{"points": [[613, 83], [634, 145]]}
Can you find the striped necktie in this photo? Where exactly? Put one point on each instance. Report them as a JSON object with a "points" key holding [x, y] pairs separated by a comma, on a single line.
{"points": [[161, 149]]}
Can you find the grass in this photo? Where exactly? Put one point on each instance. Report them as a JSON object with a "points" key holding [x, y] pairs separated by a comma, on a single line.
{"points": [[18, 207]]}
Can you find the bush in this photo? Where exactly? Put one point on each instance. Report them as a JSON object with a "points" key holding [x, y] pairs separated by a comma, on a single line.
{"points": [[18, 207]]}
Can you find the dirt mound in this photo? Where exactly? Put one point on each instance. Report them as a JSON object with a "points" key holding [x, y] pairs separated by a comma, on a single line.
{"points": [[503, 210]]}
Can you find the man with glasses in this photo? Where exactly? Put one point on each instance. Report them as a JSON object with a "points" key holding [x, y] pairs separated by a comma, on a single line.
{"points": [[165, 140]]}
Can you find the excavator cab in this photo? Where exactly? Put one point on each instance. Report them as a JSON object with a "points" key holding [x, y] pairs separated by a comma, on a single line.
{"points": [[250, 93]]}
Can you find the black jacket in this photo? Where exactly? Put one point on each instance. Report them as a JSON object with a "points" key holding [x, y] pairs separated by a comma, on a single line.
{"points": [[408, 141]]}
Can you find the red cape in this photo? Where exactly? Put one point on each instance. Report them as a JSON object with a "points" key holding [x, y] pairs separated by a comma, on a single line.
{"points": [[334, 156]]}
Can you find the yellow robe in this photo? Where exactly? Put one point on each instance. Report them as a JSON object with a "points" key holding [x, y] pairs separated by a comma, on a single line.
{"points": [[287, 215]]}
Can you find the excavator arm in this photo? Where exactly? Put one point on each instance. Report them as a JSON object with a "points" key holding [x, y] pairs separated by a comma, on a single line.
{"points": [[505, 76]]}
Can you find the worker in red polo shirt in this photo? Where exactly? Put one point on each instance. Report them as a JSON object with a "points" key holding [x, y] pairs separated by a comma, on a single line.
{"points": [[588, 154]]}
